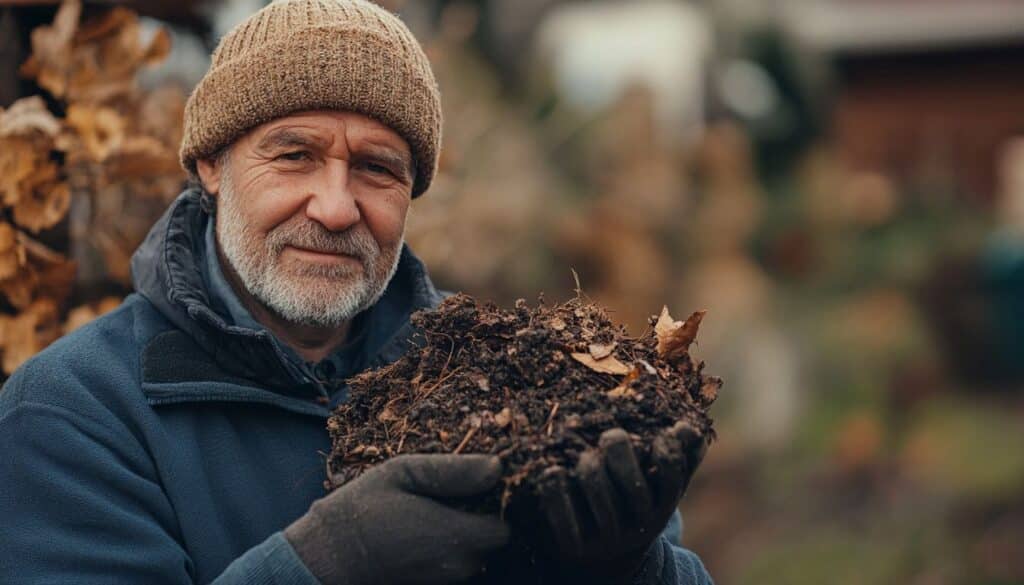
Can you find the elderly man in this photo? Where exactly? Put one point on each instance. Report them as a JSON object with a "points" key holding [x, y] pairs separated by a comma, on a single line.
{"points": [[180, 439]]}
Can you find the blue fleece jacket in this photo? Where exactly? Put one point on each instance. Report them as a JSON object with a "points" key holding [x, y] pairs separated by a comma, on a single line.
{"points": [[165, 444]]}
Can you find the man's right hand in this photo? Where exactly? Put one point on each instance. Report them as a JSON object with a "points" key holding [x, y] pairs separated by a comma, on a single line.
{"points": [[389, 525]]}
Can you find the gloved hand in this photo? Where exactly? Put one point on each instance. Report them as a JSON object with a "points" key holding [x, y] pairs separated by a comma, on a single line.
{"points": [[388, 526], [602, 520]]}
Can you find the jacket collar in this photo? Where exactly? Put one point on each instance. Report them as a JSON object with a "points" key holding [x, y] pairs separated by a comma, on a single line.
{"points": [[168, 269]]}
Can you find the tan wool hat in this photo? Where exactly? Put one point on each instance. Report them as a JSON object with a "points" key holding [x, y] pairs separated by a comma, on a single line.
{"points": [[296, 55]]}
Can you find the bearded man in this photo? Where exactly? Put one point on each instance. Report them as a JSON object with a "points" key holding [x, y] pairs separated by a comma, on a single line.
{"points": [[180, 438]]}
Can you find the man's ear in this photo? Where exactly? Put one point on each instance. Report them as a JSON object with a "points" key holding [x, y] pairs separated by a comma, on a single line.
{"points": [[209, 173]]}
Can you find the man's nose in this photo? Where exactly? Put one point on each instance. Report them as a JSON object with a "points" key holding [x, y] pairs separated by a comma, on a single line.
{"points": [[333, 204]]}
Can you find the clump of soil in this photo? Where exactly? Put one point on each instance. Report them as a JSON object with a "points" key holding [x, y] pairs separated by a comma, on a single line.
{"points": [[535, 386]]}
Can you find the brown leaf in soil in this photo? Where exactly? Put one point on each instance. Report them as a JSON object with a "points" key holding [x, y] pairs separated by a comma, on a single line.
{"points": [[503, 418], [709, 391], [607, 365], [675, 337], [599, 351], [557, 324], [623, 390]]}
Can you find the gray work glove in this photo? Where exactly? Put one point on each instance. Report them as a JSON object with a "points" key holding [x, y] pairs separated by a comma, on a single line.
{"points": [[603, 519], [391, 526]]}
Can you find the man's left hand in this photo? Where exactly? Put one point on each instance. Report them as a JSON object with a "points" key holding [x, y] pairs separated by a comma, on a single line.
{"points": [[602, 519]]}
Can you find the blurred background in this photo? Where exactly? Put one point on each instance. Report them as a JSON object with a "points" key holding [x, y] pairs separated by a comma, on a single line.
{"points": [[840, 183]]}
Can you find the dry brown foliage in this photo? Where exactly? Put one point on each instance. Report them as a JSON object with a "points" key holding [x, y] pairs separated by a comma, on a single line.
{"points": [[113, 153]]}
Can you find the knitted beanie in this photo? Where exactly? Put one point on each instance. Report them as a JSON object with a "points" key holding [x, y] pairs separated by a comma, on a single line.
{"points": [[296, 55]]}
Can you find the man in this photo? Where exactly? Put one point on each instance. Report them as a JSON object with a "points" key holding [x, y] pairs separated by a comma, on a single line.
{"points": [[180, 439]]}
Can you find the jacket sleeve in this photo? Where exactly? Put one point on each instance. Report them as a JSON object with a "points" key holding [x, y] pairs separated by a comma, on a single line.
{"points": [[669, 564], [81, 503], [272, 562]]}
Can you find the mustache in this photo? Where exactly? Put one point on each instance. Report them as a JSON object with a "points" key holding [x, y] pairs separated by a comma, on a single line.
{"points": [[355, 241]]}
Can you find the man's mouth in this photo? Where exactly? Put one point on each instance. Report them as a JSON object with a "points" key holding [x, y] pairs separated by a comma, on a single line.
{"points": [[320, 254]]}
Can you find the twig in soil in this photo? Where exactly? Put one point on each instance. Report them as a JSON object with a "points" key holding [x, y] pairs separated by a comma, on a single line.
{"points": [[440, 381], [465, 440], [551, 418]]}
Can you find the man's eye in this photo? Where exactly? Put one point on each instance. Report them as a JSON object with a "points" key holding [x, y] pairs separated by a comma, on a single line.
{"points": [[378, 169], [294, 156]]}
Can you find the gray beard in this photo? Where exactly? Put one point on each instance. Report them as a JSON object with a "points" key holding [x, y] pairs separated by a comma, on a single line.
{"points": [[304, 294]]}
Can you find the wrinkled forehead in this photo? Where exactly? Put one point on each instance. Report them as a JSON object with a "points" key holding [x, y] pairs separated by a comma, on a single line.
{"points": [[324, 128]]}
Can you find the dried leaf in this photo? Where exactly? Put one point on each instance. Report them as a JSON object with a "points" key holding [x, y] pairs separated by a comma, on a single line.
{"points": [[159, 48], [108, 53], [21, 166], [27, 333], [52, 274], [623, 390], [709, 391], [141, 157], [160, 113], [481, 382], [38, 252], [100, 129], [608, 365], [107, 304], [44, 273], [77, 317], [56, 281], [12, 253], [503, 418], [387, 415], [557, 324], [600, 351], [105, 25], [19, 288], [675, 337], [43, 208], [27, 117], [665, 326], [50, 63]]}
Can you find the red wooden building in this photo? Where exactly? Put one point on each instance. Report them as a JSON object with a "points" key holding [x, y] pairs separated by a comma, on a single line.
{"points": [[918, 87]]}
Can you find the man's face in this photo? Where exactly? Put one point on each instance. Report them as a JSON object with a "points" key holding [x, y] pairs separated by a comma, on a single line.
{"points": [[311, 213]]}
